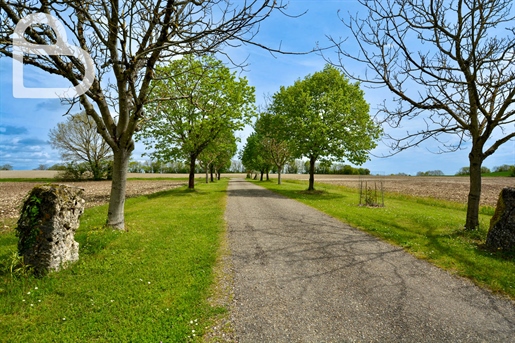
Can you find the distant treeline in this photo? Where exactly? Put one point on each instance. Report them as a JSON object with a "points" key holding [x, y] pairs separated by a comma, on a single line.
{"points": [[294, 167], [302, 167], [505, 169], [177, 167], [508, 170]]}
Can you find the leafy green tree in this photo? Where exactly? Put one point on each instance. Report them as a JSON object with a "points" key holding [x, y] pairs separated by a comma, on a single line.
{"points": [[324, 167], [226, 153], [218, 153], [431, 173], [276, 148], [324, 116], [254, 157], [208, 100], [503, 168], [135, 167]]}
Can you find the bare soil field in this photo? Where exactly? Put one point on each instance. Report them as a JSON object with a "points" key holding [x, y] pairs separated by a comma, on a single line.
{"points": [[445, 188], [95, 192], [451, 188]]}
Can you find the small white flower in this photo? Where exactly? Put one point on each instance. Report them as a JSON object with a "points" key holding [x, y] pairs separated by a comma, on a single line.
{"points": [[192, 331], [23, 300], [191, 321], [112, 301], [64, 318], [36, 287], [149, 282], [31, 304], [39, 301], [28, 292]]}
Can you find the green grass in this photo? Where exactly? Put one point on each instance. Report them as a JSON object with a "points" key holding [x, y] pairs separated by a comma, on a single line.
{"points": [[162, 178], [44, 180], [497, 174], [149, 284], [427, 228]]}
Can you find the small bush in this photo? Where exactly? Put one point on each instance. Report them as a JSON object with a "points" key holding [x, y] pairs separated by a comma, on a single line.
{"points": [[74, 171]]}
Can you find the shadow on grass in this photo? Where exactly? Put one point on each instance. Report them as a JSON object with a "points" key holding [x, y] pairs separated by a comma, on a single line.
{"points": [[173, 192], [94, 240], [310, 195], [276, 191]]}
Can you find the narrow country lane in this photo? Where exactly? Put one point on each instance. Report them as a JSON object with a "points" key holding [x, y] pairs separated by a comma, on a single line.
{"points": [[302, 276]]}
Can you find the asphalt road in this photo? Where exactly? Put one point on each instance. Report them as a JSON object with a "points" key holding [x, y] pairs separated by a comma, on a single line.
{"points": [[302, 276]]}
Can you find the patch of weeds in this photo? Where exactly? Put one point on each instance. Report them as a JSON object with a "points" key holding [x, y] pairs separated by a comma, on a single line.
{"points": [[28, 225], [17, 268]]}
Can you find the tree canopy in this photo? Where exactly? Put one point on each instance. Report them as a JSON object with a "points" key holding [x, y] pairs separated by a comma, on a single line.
{"points": [[208, 101], [274, 147], [254, 157], [325, 116]]}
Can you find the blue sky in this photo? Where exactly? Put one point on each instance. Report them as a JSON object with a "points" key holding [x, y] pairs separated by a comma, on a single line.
{"points": [[25, 123]]}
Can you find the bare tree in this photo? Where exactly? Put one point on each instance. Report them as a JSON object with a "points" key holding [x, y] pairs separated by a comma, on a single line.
{"points": [[77, 140], [451, 63], [126, 39]]}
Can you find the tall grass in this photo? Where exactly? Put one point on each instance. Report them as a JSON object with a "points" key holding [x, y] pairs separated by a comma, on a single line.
{"points": [[149, 284], [429, 229]]}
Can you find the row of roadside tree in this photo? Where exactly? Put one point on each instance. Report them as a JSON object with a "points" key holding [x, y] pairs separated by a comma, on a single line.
{"points": [[459, 80]]}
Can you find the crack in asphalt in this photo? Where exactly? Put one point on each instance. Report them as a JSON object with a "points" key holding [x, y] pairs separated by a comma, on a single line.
{"points": [[303, 276]]}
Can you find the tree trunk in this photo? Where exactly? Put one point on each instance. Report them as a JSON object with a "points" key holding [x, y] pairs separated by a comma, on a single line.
{"points": [[476, 160], [191, 180], [267, 175], [262, 173], [207, 174], [211, 169], [312, 161], [115, 214], [279, 176]]}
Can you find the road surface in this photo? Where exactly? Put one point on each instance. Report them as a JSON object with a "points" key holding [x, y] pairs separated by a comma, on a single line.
{"points": [[302, 276]]}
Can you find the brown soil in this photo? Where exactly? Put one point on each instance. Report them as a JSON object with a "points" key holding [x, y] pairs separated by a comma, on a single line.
{"points": [[95, 192], [446, 188]]}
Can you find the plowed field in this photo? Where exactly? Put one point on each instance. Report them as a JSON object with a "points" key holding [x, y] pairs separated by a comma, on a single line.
{"points": [[95, 193], [446, 188]]}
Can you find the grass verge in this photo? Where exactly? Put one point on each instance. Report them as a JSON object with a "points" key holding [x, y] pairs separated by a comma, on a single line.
{"points": [[427, 228], [150, 284]]}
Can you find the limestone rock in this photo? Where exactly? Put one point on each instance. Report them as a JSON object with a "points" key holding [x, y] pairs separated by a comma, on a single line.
{"points": [[46, 227], [502, 225]]}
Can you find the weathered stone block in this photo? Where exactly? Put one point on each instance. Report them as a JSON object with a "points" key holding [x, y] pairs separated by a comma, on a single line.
{"points": [[46, 227], [501, 234]]}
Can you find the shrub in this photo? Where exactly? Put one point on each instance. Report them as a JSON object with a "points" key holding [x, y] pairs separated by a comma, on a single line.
{"points": [[74, 171]]}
